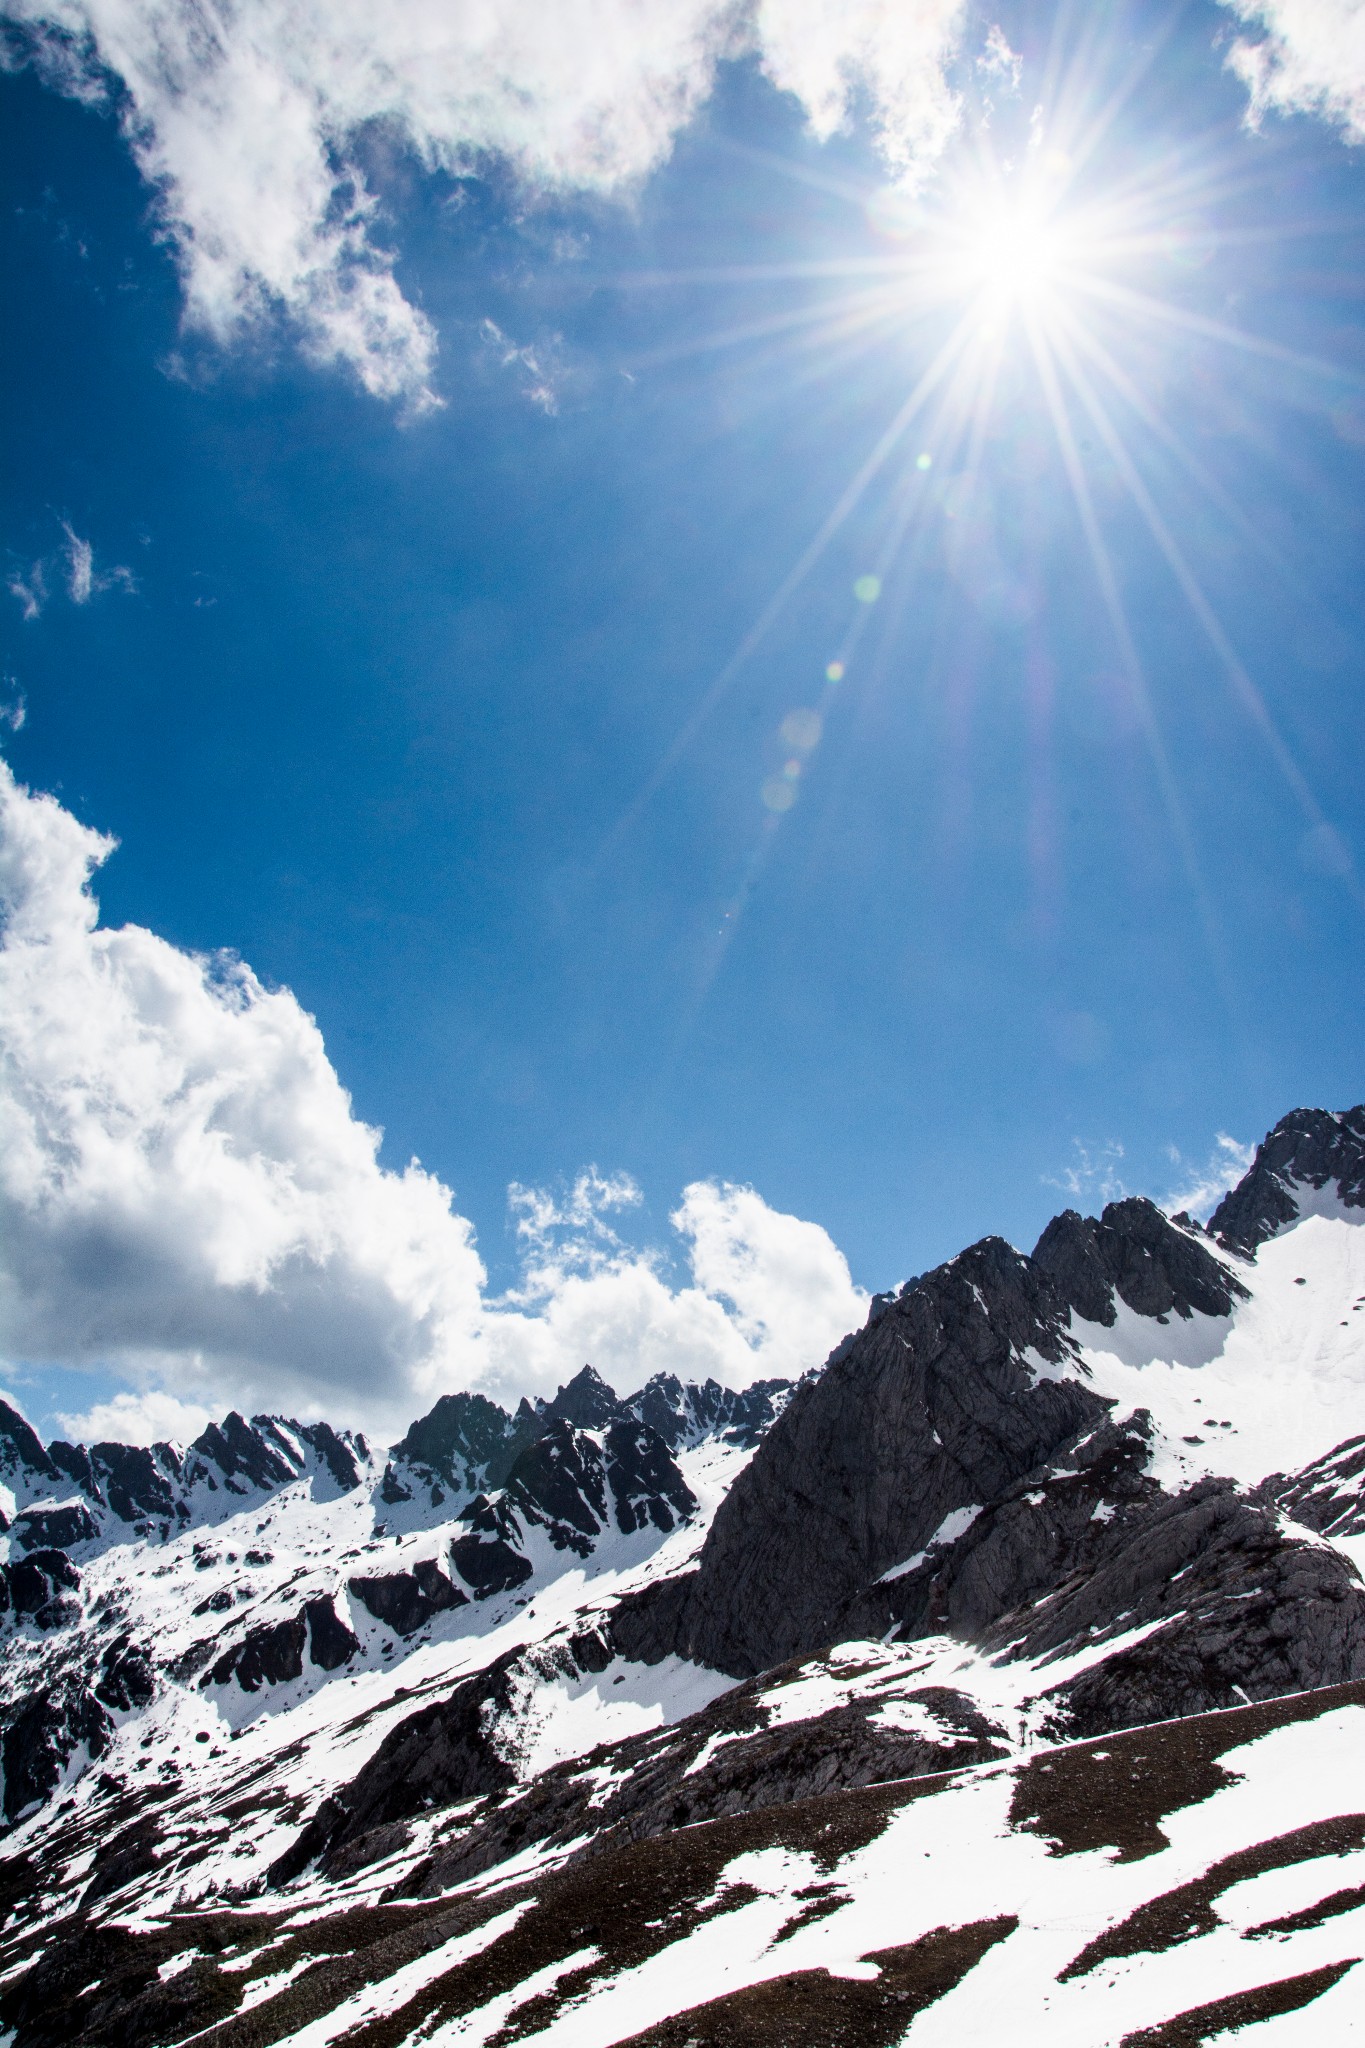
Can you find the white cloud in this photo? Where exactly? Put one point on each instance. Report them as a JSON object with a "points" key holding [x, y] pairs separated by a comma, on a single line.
{"points": [[1203, 1187], [770, 1294], [787, 1282], [828, 52], [1309, 58], [77, 563], [31, 590], [80, 567], [145, 1418], [187, 1196], [248, 119], [998, 63], [82, 580], [1093, 1172], [536, 366]]}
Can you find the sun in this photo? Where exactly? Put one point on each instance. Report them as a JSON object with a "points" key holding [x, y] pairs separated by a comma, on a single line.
{"points": [[1014, 250]]}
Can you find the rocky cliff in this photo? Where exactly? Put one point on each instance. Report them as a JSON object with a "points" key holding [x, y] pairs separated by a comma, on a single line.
{"points": [[1041, 1544]]}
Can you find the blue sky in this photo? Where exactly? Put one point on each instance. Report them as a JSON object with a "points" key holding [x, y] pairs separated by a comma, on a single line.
{"points": [[452, 719]]}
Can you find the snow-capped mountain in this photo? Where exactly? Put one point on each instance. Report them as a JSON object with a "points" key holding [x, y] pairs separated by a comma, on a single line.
{"points": [[1013, 1663]]}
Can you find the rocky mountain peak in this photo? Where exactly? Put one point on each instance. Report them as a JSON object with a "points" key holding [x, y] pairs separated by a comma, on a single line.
{"points": [[22, 1457], [1134, 1253], [1309, 1148], [587, 1401], [936, 1405], [467, 1441]]}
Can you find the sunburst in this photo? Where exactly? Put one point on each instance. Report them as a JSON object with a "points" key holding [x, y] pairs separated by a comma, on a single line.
{"points": [[1042, 259]]}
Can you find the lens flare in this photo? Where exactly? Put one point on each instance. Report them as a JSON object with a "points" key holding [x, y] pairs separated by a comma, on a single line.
{"points": [[802, 729]]}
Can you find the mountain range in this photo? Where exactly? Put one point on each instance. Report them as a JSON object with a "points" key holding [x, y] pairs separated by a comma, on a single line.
{"points": [[1002, 1679]]}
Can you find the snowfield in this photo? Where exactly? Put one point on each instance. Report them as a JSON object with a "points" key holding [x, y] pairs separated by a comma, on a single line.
{"points": [[309, 1742]]}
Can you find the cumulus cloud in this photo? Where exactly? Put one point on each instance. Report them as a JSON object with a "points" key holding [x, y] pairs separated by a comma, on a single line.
{"points": [[893, 53], [1308, 57], [248, 117], [186, 1195], [145, 1418], [770, 1294]]}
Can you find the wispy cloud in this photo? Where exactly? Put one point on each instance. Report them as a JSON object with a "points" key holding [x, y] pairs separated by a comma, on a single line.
{"points": [[74, 568], [998, 64], [82, 580], [80, 567], [537, 366], [30, 587], [1092, 1173], [1201, 1188], [248, 123]]}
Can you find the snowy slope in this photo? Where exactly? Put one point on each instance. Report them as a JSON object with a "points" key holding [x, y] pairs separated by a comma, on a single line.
{"points": [[1269, 1388], [457, 1741], [1174, 1884]]}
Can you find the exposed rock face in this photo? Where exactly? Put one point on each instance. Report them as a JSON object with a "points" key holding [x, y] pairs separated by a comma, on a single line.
{"points": [[1088, 1549], [40, 1739], [685, 1414], [467, 1444], [724, 1760], [330, 1643], [438, 1755], [127, 1680], [55, 1528], [485, 1556], [1051, 1527], [22, 1458], [644, 1483], [1309, 1148], [269, 1654], [587, 1402], [1135, 1253], [1328, 1495], [936, 1406], [38, 1586], [559, 1482], [272, 1653], [242, 1457], [574, 1484], [69, 1495], [335, 1452], [137, 1482], [1242, 1612], [407, 1601], [747, 1750]]}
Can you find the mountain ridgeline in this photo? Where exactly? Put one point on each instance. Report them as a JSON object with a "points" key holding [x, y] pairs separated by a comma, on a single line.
{"points": [[1037, 1500]]}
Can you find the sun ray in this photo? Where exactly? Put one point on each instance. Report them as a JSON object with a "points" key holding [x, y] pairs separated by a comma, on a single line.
{"points": [[1069, 259], [1245, 690], [1134, 672], [848, 499]]}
